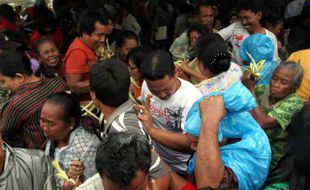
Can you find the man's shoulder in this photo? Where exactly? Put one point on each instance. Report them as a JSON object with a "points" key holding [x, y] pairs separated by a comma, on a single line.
{"points": [[189, 90]]}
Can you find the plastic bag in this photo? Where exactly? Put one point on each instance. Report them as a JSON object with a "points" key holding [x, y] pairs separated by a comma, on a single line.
{"points": [[250, 157], [260, 47]]}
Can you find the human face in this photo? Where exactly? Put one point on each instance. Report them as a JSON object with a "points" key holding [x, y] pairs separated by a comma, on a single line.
{"points": [[49, 54], [140, 182], [128, 45], [193, 38], [163, 88], [206, 16], [52, 123], [282, 83], [249, 19], [233, 19], [11, 83], [110, 27], [193, 140], [97, 37], [134, 71]]}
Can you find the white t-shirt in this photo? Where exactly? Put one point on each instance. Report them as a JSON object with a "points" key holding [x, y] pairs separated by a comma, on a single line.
{"points": [[236, 33], [170, 115]]}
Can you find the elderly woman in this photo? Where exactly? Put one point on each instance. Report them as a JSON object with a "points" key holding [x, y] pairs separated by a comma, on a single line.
{"points": [[49, 57], [69, 143], [277, 103]]}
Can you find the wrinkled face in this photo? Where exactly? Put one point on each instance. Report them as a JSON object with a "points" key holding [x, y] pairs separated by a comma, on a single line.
{"points": [[193, 140], [140, 182], [163, 88], [10, 83], [206, 16], [51, 122], [193, 38], [233, 19], [134, 71], [128, 45], [249, 19], [97, 37], [49, 54], [282, 83]]}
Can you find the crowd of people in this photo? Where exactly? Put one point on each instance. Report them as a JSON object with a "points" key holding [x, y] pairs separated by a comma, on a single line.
{"points": [[155, 95]]}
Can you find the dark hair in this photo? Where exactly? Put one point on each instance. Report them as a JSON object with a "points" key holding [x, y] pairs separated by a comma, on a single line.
{"points": [[109, 80], [125, 35], [43, 40], [70, 104], [200, 28], [121, 155], [205, 4], [213, 52], [137, 55], [249, 5], [272, 19], [157, 65], [297, 40], [7, 12], [13, 62], [298, 139], [45, 18], [88, 20]]}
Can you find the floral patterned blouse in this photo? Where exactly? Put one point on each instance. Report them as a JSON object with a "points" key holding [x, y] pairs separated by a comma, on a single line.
{"points": [[222, 81]]}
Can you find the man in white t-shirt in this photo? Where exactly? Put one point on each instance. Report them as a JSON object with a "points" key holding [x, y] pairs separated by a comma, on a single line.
{"points": [[250, 13], [164, 116]]}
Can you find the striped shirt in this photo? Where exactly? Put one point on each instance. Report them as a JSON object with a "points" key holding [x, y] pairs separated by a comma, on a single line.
{"points": [[20, 116]]}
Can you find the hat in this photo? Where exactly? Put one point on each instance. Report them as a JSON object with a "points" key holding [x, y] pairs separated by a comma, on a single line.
{"points": [[6, 43]]}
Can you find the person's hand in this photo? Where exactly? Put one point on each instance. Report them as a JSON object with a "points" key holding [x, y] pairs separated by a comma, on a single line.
{"points": [[144, 113], [248, 80], [212, 109], [184, 66], [76, 170], [68, 185], [180, 73]]}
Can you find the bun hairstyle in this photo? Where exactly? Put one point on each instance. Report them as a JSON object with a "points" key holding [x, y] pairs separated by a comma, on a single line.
{"points": [[213, 53]]}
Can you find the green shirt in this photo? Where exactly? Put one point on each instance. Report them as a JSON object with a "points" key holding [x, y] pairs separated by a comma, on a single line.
{"points": [[282, 112]]}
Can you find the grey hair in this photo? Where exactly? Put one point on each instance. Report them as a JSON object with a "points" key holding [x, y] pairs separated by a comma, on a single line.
{"points": [[299, 72]]}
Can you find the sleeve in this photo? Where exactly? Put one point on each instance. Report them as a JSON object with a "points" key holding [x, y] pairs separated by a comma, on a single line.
{"points": [[292, 57], [284, 111], [89, 159], [158, 167], [226, 33], [76, 62], [7, 124]]}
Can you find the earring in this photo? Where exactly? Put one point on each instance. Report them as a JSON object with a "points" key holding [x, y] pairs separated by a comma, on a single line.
{"points": [[71, 128]]}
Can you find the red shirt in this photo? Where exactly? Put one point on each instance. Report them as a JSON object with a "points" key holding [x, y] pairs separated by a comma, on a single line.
{"points": [[5, 24], [57, 37], [78, 60]]}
